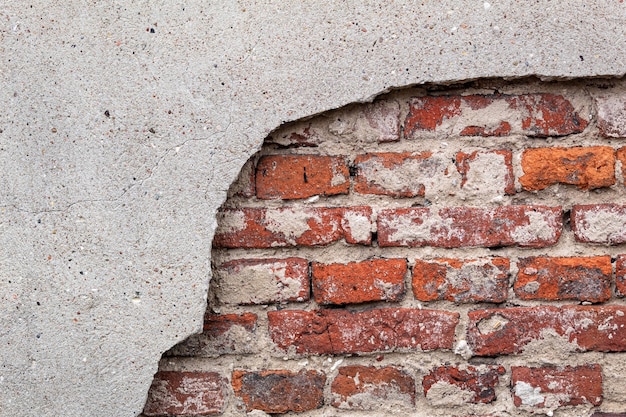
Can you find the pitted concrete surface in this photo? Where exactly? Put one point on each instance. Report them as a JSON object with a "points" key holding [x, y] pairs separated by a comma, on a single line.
{"points": [[123, 125]]}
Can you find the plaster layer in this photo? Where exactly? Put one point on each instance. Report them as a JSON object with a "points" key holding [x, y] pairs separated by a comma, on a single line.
{"points": [[123, 124]]}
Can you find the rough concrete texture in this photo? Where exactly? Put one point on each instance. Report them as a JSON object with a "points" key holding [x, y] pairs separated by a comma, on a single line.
{"points": [[123, 124]]}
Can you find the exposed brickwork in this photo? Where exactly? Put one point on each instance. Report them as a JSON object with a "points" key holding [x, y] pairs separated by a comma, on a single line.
{"points": [[530, 114], [379, 330], [186, 393], [270, 228], [454, 227], [371, 388], [278, 391], [358, 282], [461, 280], [292, 177], [480, 383], [554, 387], [581, 279], [503, 331], [445, 252], [586, 167]]}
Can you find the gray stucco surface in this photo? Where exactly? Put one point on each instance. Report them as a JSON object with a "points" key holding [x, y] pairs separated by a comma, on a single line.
{"points": [[122, 125]]}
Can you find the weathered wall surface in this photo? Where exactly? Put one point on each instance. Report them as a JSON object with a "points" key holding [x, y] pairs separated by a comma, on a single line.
{"points": [[439, 252], [123, 124]]}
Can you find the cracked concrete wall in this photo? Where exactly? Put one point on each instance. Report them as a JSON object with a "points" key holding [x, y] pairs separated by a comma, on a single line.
{"points": [[123, 124]]}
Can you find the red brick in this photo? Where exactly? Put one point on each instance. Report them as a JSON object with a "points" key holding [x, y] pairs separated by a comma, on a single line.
{"points": [[287, 226], [621, 157], [620, 276], [186, 393], [222, 334], [554, 387], [581, 279], [358, 282], [371, 388], [279, 391], [487, 171], [473, 115], [396, 174], [586, 167], [452, 227], [479, 383], [461, 281], [504, 331], [341, 332], [599, 223], [300, 176], [612, 115], [262, 281]]}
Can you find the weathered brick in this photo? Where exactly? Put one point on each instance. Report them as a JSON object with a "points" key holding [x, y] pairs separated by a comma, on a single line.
{"points": [[599, 223], [601, 414], [586, 167], [451, 227], [244, 186], [358, 282], [553, 387], [620, 276], [262, 281], [504, 331], [300, 176], [291, 136], [577, 278], [612, 115], [475, 384], [487, 173], [292, 226], [396, 174], [462, 281], [186, 393], [279, 391], [374, 122], [222, 334], [621, 157], [371, 388], [341, 332], [493, 115]]}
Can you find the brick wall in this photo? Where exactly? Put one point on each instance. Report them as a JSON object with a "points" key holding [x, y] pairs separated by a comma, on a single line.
{"points": [[440, 251]]}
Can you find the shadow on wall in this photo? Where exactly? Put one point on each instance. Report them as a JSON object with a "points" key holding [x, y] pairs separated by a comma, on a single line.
{"points": [[449, 250]]}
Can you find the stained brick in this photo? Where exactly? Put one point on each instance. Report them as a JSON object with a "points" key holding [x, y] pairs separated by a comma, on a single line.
{"points": [[493, 115], [478, 384], [279, 391], [262, 281], [451, 227], [621, 157], [586, 167], [186, 393], [599, 223], [486, 173], [292, 226], [581, 279], [222, 334], [464, 281], [396, 174], [612, 115], [371, 388], [341, 332], [358, 282], [504, 331], [301, 176], [554, 387], [620, 276]]}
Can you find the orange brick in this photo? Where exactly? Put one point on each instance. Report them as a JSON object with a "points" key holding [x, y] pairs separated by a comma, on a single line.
{"points": [[461, 281], [301, 176], [586, 167], [580, 279], [358, 282]]}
